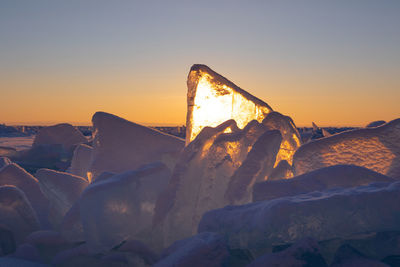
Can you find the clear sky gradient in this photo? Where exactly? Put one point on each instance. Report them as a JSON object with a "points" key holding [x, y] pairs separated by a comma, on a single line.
{"points": [[331, 62]]}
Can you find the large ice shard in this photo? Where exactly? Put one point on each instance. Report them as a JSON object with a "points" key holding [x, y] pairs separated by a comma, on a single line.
{"points": [[120, 145], [16, 212], [64, 134], [213, 99], [81, 160], [62, 189], [12, 174], [375, 148], [122, 207], [291, 140], [218, 168], [324, 215]]}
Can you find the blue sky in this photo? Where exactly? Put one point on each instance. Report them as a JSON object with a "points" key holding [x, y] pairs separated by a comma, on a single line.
{"points": [[333, 62]]}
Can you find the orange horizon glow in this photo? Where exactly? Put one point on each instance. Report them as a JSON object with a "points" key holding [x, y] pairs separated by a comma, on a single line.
{"points": [[162, 101], [333, 63]]}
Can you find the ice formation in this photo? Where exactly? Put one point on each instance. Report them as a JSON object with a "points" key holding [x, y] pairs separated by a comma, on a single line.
{"points": [[282, 171], [120, 145], [213, 99], [375, 124], [81, 160], [291, 140], [346, 255], [13, 174], [16, 212], [7, 151], [71, 226], [64, 134], [62, 189], [322, 215], [122, 206], [4, 161], [216, 169], [205, 249], [305, 252], [319, 180], [375, 148]]}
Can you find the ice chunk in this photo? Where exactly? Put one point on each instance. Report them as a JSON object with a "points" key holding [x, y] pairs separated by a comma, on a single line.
{"points": [[7, 241], [7, 151], [138, 248], [13, 174], [306, 252], [318, 180], [282, 171], [14, 262], [332, 214], [205, 249], [213, 99], [255, 167], [122, 207], [27, 252], [4, 161], [62, 189], [325, 133], [216, 169], [64, 134], [71, 226], [120, 145], [291, 140], [81, 160], [16, 212], [376, 148], [375, 124], [346, 255]]}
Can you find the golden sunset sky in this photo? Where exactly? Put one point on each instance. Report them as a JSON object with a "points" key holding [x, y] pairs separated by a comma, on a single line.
{"points": [[336, 63]]}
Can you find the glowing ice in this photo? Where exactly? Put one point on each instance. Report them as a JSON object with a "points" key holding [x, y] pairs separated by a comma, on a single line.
{"points": [[213, 99], [81, 160], [215, 170], [290, 136]]}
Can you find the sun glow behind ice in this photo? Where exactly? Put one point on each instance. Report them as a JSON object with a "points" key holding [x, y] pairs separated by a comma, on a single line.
{"points": [[215, 103]]}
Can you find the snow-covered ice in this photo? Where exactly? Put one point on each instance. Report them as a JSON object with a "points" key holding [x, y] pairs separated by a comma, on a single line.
{"points": [[322, 215], [319, 180], [375, 148]]}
